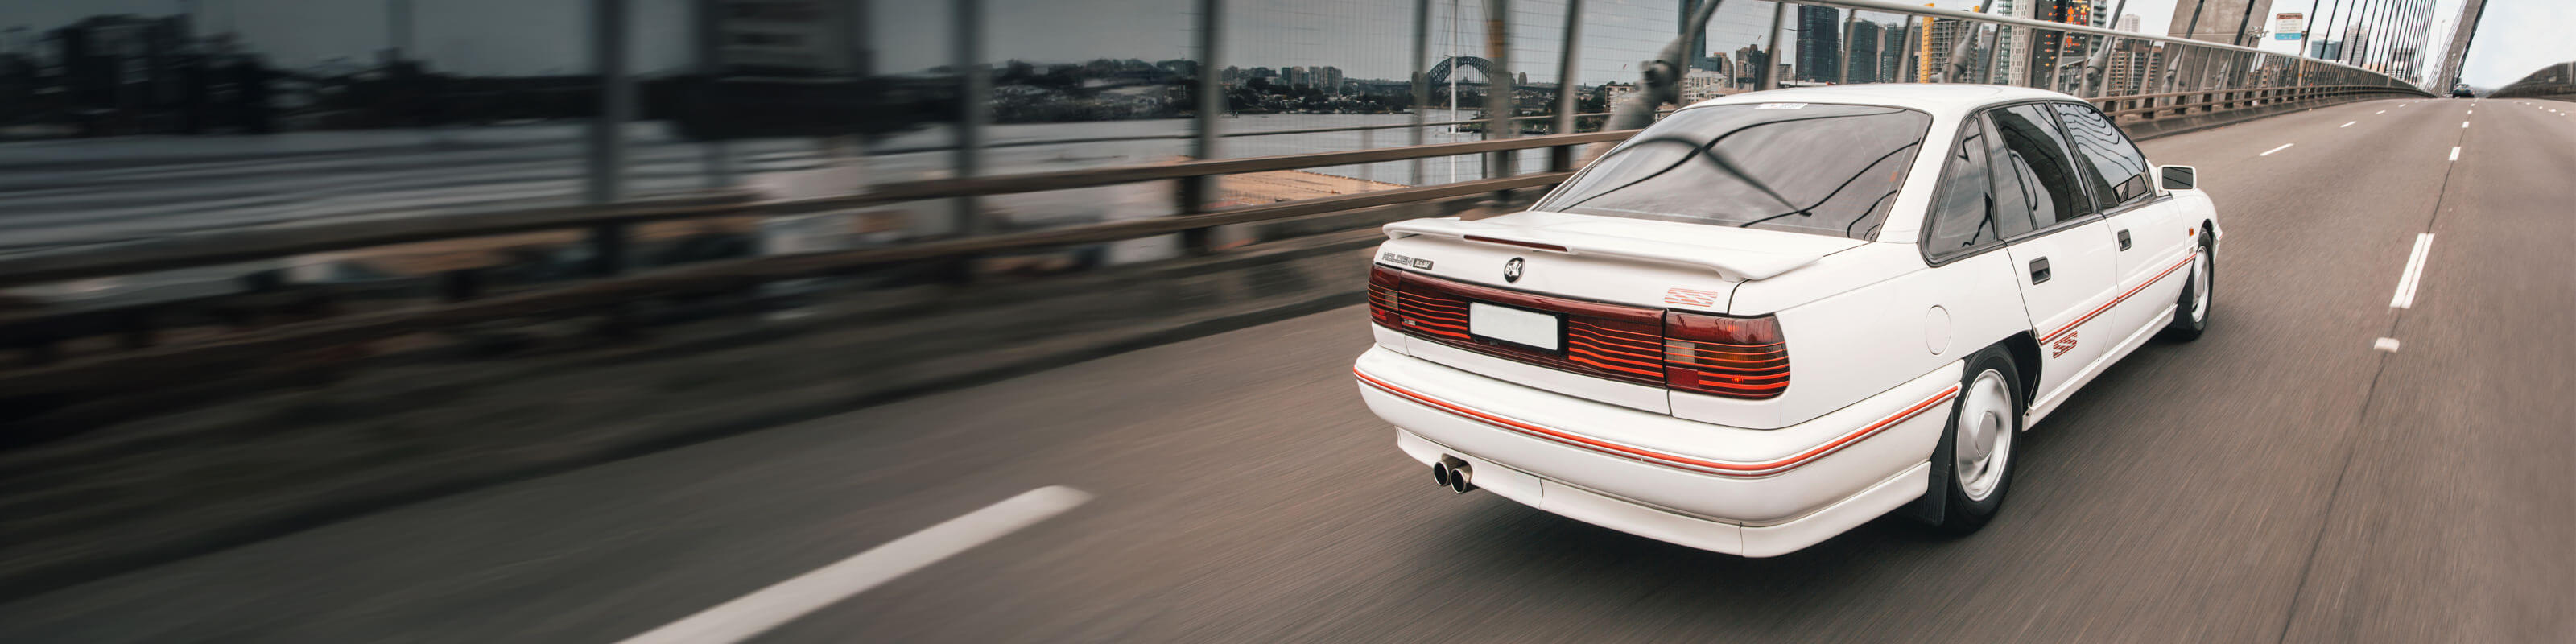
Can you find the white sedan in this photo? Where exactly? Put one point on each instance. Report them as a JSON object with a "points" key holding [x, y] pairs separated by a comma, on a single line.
{"points": [[1773, 316]]}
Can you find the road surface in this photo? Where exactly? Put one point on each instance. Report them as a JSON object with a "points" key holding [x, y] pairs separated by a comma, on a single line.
{"points": [[2279, 480]]}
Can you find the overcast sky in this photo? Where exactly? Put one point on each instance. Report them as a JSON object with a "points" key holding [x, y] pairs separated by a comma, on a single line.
{"points": [[1366, 38]]}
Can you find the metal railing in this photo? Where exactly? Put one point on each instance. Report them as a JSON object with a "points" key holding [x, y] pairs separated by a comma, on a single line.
{"points": [[2193, 79], [2555, 81], [699, 279], [2092, 62]]}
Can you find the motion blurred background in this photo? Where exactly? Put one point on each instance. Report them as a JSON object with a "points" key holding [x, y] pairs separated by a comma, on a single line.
{"points": [[295, 285]]}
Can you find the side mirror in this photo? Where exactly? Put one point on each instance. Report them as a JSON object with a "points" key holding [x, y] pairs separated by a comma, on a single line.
{"points": [[2178, 177]]}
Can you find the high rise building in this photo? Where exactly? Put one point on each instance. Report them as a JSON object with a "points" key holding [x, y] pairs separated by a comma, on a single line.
{"points": [[1946, 37], [2355, 46], [2012, 46], [1748, 65], [2130, 23], [1700, 85], [1698, 51], [1865, 48], [2131, 67], [1891, 59], [122, 62], [2056, 57], [1819, 43], [2219, 20]]}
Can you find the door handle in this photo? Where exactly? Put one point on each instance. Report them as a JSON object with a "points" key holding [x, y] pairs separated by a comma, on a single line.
{"points": [[2039, 270], [2124, 240]]}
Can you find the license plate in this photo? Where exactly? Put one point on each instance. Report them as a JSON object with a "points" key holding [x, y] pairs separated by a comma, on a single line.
{"points": [[1512, 325]]}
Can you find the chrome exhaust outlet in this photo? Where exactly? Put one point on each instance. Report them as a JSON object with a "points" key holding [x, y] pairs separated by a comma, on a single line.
{"points": [[1453, 473]]}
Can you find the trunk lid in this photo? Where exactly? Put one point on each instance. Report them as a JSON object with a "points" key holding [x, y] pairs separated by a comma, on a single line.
{"points": [[1607, 280]]}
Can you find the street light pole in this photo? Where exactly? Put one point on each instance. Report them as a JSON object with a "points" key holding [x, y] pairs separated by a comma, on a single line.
{"points": [[1421, 83], [398, 28], [607, 137], [1569, 60], [975, 91], [1770, 71], [1499, 85]]}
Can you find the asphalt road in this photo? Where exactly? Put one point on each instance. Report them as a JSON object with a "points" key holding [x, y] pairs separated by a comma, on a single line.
{"points": [[2279, 480]]}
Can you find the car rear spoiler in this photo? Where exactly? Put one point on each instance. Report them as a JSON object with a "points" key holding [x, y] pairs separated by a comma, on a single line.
{"points": [[1731, 263]]}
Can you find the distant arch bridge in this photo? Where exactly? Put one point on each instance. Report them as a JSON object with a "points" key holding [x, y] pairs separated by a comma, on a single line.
{"points": [[1439, 74]]}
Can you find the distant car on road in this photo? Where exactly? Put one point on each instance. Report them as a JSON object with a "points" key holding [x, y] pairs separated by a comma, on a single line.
{"points": [[2462, 91], [1774, 316]]}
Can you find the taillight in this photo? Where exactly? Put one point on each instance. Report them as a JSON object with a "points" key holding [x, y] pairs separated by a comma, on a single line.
{"points": [[1728, 356], [1381, 295]]}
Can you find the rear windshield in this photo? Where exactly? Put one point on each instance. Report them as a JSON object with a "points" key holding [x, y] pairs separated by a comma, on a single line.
{"points": [[1797, 167]]}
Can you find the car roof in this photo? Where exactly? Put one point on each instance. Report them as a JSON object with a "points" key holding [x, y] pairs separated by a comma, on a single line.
{"points": [[1938, 99]]}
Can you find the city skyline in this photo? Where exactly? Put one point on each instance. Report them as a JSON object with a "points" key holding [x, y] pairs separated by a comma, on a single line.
{"points": [[1366, 37]]}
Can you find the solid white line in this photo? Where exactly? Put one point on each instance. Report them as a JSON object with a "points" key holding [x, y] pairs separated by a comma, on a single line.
{"points": [[756, 613], [2348, 124], [2269, 152], [2414, 274], [2455, 153]]}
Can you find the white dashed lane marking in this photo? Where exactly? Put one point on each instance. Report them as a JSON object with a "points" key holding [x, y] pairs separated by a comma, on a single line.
{"points": [[2269, 152], [750, 615], [2414, 275]]}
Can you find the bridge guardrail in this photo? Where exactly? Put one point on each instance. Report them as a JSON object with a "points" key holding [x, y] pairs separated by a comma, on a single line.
{"points": [[2200, 79], [734, 275], [2552, 82], [706, 278]]}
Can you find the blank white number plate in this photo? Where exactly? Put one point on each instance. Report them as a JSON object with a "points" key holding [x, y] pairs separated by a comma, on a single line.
{"points": [[1512, 325]]}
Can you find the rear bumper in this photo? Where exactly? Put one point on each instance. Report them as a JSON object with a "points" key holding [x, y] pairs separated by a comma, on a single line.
{"points": [[1774, 492]]}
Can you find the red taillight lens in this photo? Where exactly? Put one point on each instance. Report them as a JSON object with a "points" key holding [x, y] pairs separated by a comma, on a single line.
{"points": [[1381, 295], [1727, 356]]}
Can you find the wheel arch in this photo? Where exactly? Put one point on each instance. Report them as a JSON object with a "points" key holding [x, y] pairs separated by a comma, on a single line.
{"points": [[2023, 353], [2024, 350]]}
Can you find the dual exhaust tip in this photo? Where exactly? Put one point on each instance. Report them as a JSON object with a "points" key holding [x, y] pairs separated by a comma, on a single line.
{"points": [[1453, 473]]}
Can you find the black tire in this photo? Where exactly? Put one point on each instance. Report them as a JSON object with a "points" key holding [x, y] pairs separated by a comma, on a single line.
{"points": [[2188, 323], [1959, 513]]}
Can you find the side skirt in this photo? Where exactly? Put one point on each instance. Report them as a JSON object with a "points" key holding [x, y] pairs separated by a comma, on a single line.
{"points": [[2050, 402]]}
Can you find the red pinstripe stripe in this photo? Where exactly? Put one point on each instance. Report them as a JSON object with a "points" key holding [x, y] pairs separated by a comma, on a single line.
{"points": [[1721, 468], [2088, 317]]}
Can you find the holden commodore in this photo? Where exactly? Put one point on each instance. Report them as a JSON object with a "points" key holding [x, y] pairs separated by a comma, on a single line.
{"points": [[1773, 316]]}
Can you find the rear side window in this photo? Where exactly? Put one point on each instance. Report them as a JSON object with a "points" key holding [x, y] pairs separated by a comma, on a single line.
{"points": [[2113, 165], [1963, 211], [2038, 156], [1799, 167], [2022, 203]]}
